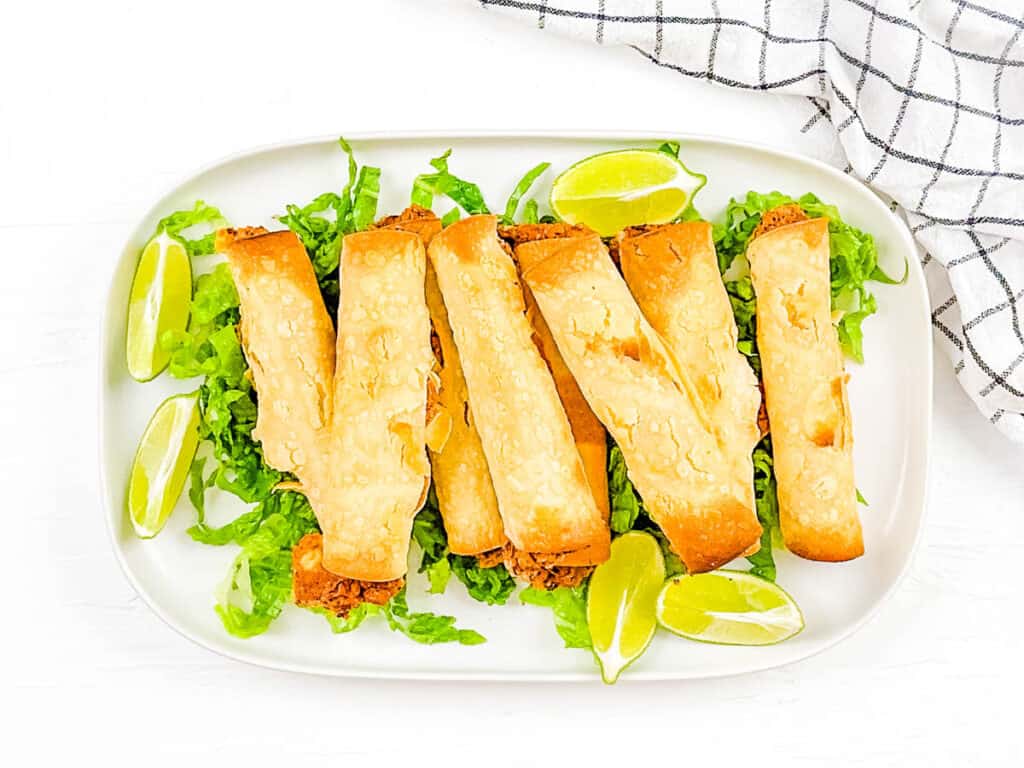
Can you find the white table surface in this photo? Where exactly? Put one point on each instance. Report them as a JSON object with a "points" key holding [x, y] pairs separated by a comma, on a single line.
{"points": [[102, 106]]}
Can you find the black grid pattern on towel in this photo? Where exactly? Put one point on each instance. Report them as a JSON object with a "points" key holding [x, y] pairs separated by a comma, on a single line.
{"points": [[927, 102]]}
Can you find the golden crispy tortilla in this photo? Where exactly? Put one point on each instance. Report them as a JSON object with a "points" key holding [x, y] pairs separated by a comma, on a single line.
{"points": [[805, 391], [672, 272], [462, 480], [378, 473], [288, 340]]}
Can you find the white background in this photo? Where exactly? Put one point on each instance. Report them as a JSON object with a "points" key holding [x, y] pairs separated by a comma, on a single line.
{"points": [[103, 106]]}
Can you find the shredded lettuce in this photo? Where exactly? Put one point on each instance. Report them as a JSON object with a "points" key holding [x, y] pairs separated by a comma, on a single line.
{"points": [[670, 148], [766, 501], [211, 348], [673, 563], [853, 262], [322, 223], [530, 215], [321, 234], [428, 628], [744, 307], [342, 624], [259, 582], [463, 193], [176, 223], [625, 503], [365, 194], [628, 512], [487, 585], [292, 505], [569, 606], [492, 586], [451, 217], [428, 532], [521, 188]]}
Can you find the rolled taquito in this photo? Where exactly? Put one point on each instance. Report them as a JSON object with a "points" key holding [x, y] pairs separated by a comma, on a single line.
{"points": [[543, 496], [805, 391], [378, 474], [288, 340], [636, 388], [587, 431], [462, 481], [672, 272], [590, 436]]}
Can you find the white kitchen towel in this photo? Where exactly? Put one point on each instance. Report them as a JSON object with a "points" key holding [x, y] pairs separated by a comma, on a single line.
{"points": [[925, 99]]}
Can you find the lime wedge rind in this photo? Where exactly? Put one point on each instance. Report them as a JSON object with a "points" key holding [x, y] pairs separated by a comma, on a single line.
{"points": [[159, 300], [781, 622], [621, 602], [162, 460]]}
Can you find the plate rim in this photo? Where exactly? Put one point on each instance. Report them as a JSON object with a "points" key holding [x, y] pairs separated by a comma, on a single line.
{"points": [[257, 659]]}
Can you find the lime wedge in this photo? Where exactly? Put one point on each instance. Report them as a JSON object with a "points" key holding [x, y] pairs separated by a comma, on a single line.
{"points": [[728, 608], [615, 190], [621, 602], [162, 462], [160, 296]]}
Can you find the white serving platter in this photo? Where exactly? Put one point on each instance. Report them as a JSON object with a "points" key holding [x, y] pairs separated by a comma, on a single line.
{"points": [[891, 397]]}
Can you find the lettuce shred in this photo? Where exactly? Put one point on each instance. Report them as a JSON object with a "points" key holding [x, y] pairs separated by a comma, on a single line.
{"points": [[628, 512], [322, 223], [766, 501], [451, 217], [463, 193], [364, 196], [176, 223], [521, 188], [211, 348], [259, 582], [343, 624], [492, 586], [744, 307], [428, 628], [569, 606], [624, 501]]}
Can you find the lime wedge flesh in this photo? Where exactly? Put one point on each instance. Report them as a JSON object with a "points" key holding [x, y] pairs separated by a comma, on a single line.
{"points": [[159, 302], [162, 462], [729, 608], [615, 190], [622, 601]]}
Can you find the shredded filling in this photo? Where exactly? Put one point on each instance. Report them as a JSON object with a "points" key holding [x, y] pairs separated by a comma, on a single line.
{"points": [[779, 217], [517, 234], [316, 587], [542, 571]]}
